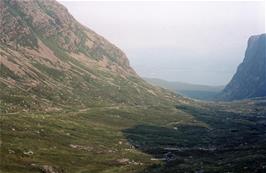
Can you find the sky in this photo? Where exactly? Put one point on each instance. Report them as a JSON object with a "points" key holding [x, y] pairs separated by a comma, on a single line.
{"points": [[200, 42]]}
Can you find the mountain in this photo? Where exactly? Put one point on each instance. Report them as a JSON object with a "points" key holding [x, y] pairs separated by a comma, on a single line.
{"points": [[250, 79], [50, 61], [202, 92], [71, 103]]}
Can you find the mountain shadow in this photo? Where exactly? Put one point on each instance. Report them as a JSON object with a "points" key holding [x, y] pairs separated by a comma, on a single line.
{"points": [[229, 142]]}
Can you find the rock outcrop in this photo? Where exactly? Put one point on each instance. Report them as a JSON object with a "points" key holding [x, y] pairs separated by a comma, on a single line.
{"points": [[250, 78]]}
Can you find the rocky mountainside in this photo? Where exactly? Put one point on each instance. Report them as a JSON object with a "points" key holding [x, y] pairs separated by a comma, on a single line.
{"points": [[250, 78], [49, 60]]}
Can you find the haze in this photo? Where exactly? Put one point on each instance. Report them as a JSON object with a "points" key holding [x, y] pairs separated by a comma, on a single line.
{"points": [[195, 42]]}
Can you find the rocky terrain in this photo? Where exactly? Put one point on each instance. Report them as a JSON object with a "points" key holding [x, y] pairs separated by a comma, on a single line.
{"points": [[250, 78], [49, 60]]}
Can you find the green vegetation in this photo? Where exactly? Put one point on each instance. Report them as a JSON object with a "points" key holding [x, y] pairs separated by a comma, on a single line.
{"points": [[51, 72], [126, 138], [5, 72], [90, 141]]}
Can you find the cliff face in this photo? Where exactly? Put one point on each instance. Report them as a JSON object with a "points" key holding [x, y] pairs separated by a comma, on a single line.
{"points": [[250, 78], [48, 58]]}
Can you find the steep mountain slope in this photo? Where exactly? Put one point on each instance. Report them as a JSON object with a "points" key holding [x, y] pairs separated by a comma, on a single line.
{"points": [[250, 78], [202, 92], [49, 60]]}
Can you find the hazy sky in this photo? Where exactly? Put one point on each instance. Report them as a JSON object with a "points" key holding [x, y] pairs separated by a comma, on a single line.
{"points": [[196, 42]]}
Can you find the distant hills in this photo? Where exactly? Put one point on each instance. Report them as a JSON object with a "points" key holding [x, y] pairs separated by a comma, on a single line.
{"points": [[203, 92], [250, 79]]}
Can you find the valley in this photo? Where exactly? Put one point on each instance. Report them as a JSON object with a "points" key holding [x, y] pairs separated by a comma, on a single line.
{"points": [[71, 103], [200, 137]]}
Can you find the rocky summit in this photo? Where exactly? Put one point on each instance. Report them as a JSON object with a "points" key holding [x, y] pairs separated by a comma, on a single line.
{"points": [[250, 78]]}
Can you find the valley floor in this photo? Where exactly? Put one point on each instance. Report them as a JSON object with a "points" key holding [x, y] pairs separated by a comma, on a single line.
{"points": [[191, 137]]}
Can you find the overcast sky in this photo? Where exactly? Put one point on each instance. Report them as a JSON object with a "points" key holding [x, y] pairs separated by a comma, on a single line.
{"points": [[195, 42]]}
